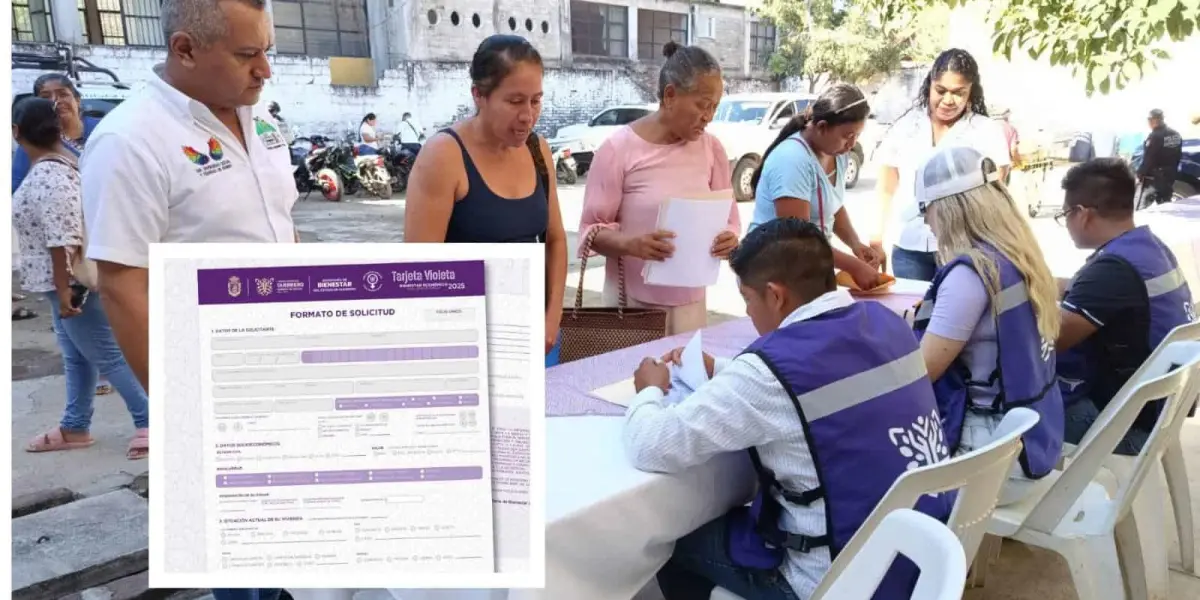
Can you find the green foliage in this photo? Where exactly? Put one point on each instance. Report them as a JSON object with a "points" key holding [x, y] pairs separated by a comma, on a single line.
{"points": [[1108, 42], [852, 42]]}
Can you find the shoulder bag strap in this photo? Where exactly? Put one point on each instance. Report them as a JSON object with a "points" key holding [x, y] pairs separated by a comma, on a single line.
{"points": [[58, 158], [820, 188]]}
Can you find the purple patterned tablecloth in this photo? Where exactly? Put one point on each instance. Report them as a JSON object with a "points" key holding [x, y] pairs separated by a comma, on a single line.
{"points": [[569, 386]]}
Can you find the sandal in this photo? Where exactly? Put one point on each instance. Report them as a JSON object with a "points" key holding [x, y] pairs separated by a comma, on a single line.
{"points": [[53, 441], [21, 314], [104, 389], [139, 446]]}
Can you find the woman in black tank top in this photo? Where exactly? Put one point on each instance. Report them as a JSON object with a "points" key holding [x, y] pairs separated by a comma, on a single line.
{"points": [[503, 193]]}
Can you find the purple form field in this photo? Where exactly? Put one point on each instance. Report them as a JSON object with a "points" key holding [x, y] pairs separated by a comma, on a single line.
{"points": [[384, 402], [349, 477], [388, 354]]}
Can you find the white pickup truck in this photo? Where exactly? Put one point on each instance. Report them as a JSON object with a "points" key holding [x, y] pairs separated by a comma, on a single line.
{"points": [[746, 124]]}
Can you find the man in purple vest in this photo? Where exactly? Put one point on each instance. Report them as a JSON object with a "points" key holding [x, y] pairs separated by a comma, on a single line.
{"points": [[1120, 305], [832, 404]]}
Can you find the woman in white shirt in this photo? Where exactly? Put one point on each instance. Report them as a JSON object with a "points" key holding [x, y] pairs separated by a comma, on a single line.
{"points": [[949, 111], [367, 135]]}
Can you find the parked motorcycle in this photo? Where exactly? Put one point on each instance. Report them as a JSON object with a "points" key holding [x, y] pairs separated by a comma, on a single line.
{"points": [[399, 159], [333, 167], [565, 169], [373, 174], [300, 148]]}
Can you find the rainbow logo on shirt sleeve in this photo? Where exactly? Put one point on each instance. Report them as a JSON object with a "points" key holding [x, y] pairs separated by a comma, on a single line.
{"points": [[194, 156]]}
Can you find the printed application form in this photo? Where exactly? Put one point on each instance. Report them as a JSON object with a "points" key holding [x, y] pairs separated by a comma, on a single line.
{"points": [[346, 418]]}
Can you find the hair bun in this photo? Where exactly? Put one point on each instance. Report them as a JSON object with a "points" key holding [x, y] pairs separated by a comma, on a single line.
{"points": [[670, 48]]}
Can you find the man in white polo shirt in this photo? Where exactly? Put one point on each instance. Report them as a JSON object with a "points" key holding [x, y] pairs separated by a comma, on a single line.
{"points": [[187, 159], [190, 158]]}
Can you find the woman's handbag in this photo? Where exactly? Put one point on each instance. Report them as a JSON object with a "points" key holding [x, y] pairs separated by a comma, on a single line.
{"points": [[588, 332], [82, 270]]}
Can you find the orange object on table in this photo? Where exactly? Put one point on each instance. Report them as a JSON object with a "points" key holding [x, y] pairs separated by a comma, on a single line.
{"points": [[844, 279]]}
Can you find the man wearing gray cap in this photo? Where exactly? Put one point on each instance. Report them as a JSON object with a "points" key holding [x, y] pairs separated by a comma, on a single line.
{"points": [[1160, 159]]}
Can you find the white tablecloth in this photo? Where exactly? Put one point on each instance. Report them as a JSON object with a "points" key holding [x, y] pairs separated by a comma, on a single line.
{"points": [[609, 526]]}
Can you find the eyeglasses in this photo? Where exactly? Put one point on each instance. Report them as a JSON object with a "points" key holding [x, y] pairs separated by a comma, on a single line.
{"points": [[1060, 217]]}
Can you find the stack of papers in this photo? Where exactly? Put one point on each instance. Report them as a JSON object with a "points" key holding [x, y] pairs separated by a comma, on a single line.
{"points": [[696, 222], [685, 378]]}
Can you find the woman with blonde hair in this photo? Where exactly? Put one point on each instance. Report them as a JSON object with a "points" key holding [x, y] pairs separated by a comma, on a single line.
{"points": [[988, 323]]}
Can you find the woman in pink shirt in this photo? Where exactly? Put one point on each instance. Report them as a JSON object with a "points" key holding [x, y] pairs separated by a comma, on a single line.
{"points": [[662, 155]]}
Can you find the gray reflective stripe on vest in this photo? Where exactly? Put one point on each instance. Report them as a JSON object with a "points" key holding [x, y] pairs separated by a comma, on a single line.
{"points": [[869, 384], [1012, 297], [924, 311], [1008, 299], [1165, 283]]}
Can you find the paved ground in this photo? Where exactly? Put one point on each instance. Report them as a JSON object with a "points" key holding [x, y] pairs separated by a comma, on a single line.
{"points": [[38, 386]]}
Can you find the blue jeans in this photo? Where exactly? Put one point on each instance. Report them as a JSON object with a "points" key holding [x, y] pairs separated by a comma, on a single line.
{"points": [[89, 349], [1082, 414], [701, 562], [365, 150], [911, 264], [246, 594]]}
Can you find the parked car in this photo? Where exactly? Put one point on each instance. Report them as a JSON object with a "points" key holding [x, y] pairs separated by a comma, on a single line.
{"points": [[583, 139], [746, 124]]}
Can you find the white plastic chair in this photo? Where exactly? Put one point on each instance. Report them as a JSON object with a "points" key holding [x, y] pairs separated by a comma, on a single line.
{"points": [[924, 540], [1174, 465], [1141, 535], [1076, 517], [978, 476]]}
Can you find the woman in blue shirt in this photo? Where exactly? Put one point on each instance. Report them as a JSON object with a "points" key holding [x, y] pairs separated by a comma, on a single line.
{"points": [[802, 176], [76, 128]]}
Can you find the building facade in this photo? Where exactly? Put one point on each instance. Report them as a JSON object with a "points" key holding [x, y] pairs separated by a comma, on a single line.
{"points": [[336, 60]]}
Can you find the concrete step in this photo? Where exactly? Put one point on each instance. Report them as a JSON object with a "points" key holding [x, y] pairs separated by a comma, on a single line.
{"points": [[79, 545], [135, 587]]}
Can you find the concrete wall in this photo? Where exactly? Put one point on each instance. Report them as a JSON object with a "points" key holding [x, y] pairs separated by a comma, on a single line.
{"points": [[444, 41], [437, 93]]}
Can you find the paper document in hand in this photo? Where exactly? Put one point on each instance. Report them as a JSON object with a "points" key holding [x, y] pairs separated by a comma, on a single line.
{"points": [[696, 221], [689, 376], [685, 379]]}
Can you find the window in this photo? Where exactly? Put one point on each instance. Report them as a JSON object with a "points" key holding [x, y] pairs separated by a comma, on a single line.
{"points": [[762, 43], [614, 117], [322, 28], [121, 22], [629, 115], [656, 28], [599, 29], [606, 119], [31, 21]]}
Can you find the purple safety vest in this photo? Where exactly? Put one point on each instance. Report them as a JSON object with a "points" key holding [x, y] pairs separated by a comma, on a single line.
{"points": [[1167, 293], [858, 383], [1025, 370]]}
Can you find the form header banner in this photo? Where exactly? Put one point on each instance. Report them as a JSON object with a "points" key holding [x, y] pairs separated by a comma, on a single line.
{"points": [[325, 283]]}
